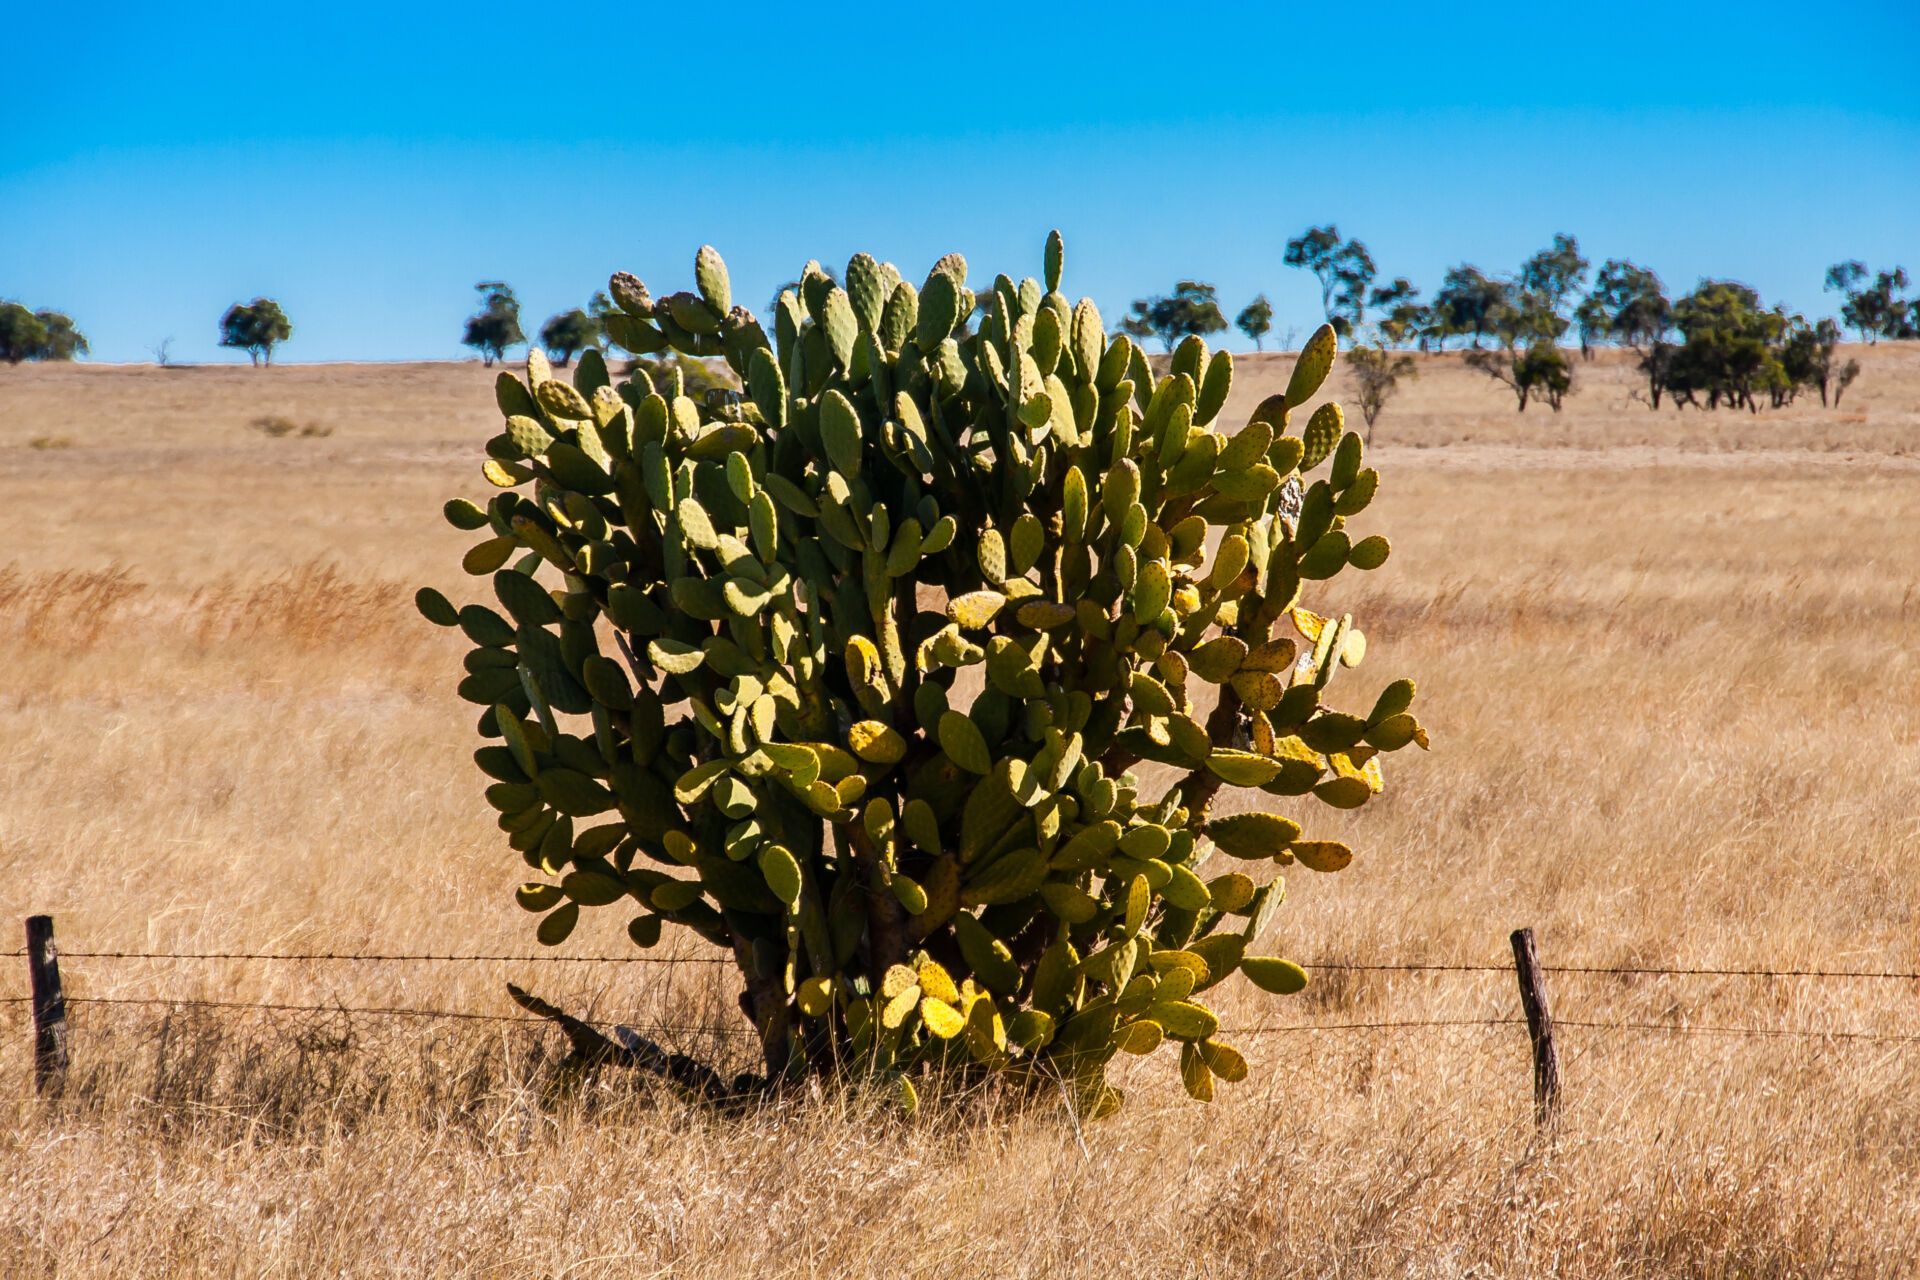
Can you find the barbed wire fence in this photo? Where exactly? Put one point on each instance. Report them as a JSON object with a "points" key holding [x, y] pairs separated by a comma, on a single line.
{"points": [[53, 1053]]}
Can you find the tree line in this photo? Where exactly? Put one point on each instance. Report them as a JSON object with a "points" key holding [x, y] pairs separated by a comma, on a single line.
{"points": [[1719, 345]]}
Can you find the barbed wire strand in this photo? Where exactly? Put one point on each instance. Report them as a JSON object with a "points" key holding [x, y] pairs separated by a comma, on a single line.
{"points": [[1757, 1032], [1651, 970], [399, 1011], [363, 958], [1371, 1026], [431, 957]]}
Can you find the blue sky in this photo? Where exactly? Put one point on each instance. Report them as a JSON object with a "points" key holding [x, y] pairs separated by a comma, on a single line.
{"points": [[367, 165]]}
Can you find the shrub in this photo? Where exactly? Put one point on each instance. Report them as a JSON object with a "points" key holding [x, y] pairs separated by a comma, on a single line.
{"points": [[723, 680], [1376, 376]]}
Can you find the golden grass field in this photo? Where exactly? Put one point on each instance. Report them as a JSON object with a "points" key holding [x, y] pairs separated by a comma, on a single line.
{"points": [[1669, 662]]}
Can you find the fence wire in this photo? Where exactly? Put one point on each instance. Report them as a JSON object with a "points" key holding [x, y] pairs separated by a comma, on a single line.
{"points": [[410, 957], [1255, 1031], [1350, 966]]}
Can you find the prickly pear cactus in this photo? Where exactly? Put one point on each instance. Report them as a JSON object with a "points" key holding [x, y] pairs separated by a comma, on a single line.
{"points": [[848, 673]]}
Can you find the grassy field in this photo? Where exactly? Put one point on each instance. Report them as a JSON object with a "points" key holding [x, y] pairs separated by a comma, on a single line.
{"points": [[1668, 661]]}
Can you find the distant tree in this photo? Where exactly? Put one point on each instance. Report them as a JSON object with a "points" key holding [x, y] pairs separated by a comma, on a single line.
{"points": [[1528, 360], [1532, 308], [1256, 320], [1344, 268], [1804, 359], [1539, 370], [496, 326], [1555, 274], [255, 327], [1730, 348], [1526, 317], [1807, 360], [22, 334], [1468, 303], [64, 341], [1844, 279], [1656, 363], [1843, 276], [1405, 318], [1633, 305], [1900, 316], [1638, 300], [1877, 310], [1353, 272], [37, 335], [1378, 374], [1314, 250], [1388, 296], [1193, 308], [1590, 321], [599, 306], [567, 333]]}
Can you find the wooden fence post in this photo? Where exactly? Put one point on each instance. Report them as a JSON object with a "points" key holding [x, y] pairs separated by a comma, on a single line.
{"points": [[50, 1057], [1533, 999]]}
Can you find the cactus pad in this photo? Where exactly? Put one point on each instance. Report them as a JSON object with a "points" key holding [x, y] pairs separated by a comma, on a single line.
{"points": [[724, 678]]}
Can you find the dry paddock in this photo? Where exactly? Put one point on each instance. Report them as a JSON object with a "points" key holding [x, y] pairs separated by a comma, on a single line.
{"points": [[1669, 664]]}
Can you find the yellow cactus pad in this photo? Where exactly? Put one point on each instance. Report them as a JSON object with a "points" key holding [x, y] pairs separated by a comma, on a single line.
{"points": [[941, 1018]]}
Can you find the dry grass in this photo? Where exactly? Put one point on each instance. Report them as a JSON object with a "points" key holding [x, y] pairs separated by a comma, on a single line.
{"points": [[1671, 677]]}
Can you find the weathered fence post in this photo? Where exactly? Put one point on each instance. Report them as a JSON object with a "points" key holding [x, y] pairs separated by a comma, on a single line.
{"points": [[1533, 999], [49, 1008]]}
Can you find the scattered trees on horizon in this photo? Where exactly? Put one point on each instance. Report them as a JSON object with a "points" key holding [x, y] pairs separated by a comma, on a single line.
{"points": [[496, 326], [1732, 349], [1193, 310], [37, 335], [255, 327]]}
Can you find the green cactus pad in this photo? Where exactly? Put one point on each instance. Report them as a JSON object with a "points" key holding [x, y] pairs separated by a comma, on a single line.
{"points": [[1281, 977], [1370, 553], [1323, 433], [436, 608], [710, 276], [1310, 369], [1009, 879], [961, 739], [1253, 836]]}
